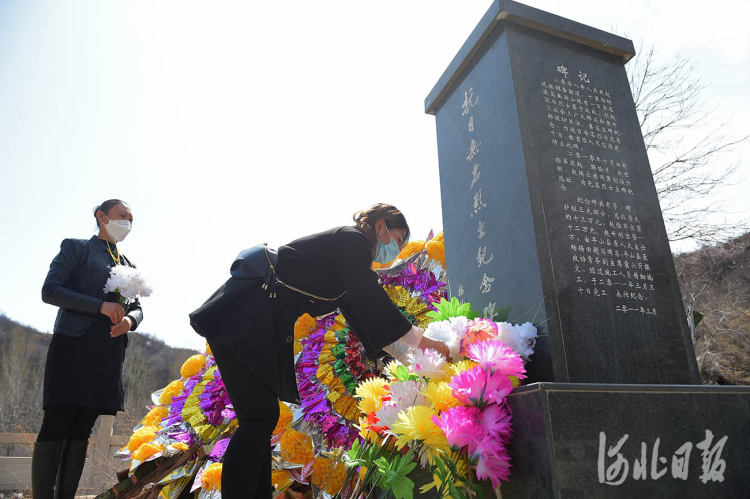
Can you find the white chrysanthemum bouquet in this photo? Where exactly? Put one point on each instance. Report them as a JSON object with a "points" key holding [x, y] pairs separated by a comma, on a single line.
{"points": [[129, 284]]}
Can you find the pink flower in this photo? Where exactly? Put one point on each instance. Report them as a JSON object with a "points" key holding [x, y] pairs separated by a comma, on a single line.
{"points": [[459, 426], [494, 355], [498, 387], [493, 462], [469, 386], [477, 330], [495, 419]]}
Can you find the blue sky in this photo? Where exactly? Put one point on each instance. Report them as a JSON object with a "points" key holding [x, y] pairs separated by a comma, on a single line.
{"points": [[242, 122]]}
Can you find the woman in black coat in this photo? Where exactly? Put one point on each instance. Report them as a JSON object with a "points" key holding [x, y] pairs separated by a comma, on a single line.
{"points": [[249, 325], [83, 373]]}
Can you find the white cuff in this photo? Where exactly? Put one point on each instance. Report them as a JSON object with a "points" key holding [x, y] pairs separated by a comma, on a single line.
{"points": [[399, 348]]}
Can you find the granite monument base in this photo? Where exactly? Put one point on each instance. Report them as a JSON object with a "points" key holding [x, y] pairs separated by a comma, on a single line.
{"points": [[623, 441]]}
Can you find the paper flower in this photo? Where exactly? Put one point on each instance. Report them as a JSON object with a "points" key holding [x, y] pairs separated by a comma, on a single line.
{"points": [[450, 331], [281, 479], [494, 355], [436, 249], [460, 427], [493, 462], [371, 393], [499, 386], [440, 396], [296, 447], [192, 365], [410, 248], [417, 424], [128, 282], [155, 415], [328, 475], [212, 476], [285, 418], [458, 367], [145, 451], [170, 391], [469, 386], [304, 326], [495, 420], [142, 436], [388, 415], [477, 330], [521, 338], [427, 363], [407, 392]]}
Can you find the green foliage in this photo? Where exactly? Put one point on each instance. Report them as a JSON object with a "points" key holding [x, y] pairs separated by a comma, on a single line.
{"points": [[447, 309], [393, 475], [403, 374]]}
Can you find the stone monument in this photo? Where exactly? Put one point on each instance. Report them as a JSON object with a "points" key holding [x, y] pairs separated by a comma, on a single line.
{"points": [[549, 206]]}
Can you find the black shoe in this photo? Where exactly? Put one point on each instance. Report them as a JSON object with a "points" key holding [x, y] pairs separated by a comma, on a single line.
{"points": [[44, 464], [72, 460]]}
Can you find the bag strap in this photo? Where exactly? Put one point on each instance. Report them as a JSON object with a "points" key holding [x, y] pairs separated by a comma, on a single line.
{"points": [[275, 279]]}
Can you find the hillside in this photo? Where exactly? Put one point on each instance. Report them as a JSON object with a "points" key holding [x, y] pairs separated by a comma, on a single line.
{"points": [[716, 281], [149, 365]]}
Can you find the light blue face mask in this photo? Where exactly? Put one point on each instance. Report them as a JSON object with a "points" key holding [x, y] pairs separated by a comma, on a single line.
{"points": [[385, 253]]}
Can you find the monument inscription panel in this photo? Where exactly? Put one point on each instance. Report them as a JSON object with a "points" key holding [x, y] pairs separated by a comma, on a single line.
{"points": [[548, 198]]}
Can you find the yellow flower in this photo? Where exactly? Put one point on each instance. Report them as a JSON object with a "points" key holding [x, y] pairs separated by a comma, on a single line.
{"points": [[304, 326], [328, 476], [193, 366], [410, 248], [155, 415], [366, 433], [371, 393], [180, 446], [416, 424], [458, 367], [296, 447], [436, 249], [145, 451], [281, 479], [212, 476], [390, 369], [285, 418], [172, 389], [142, 436], [440, 395]]}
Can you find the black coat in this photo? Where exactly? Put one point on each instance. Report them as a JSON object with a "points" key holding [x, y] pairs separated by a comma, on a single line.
{"points": [[260, 329], [84, 364]]}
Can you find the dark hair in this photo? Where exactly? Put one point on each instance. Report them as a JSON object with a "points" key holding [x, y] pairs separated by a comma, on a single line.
{"points": [[366, 219], [105, 207]]}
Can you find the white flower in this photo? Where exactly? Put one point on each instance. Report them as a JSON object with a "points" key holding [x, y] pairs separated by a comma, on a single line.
{"points": [[408, 393], [128, 282], [450, 332], [388, 414], [522, 338], [428, 363]]}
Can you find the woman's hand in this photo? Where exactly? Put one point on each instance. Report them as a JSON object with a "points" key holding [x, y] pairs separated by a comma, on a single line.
{"points": [[121, 327], [439, 346], [112, 310]]}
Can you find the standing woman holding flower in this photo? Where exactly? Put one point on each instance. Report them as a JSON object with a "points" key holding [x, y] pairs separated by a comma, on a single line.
{"points": [[83, 373]]}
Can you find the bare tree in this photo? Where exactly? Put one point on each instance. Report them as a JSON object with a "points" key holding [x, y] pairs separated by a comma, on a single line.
{"points": [[716, 281], [21, 380], [686, 147]]}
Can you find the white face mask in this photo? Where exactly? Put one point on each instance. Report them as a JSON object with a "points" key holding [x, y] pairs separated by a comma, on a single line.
{"points": [[118, 230]]}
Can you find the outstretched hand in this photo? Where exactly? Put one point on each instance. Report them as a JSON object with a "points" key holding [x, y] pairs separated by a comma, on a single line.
{"points": [[439, 346]]}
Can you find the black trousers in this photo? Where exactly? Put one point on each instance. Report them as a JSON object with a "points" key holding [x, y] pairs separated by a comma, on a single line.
{"points": [[67, 422], [247, 461]]}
